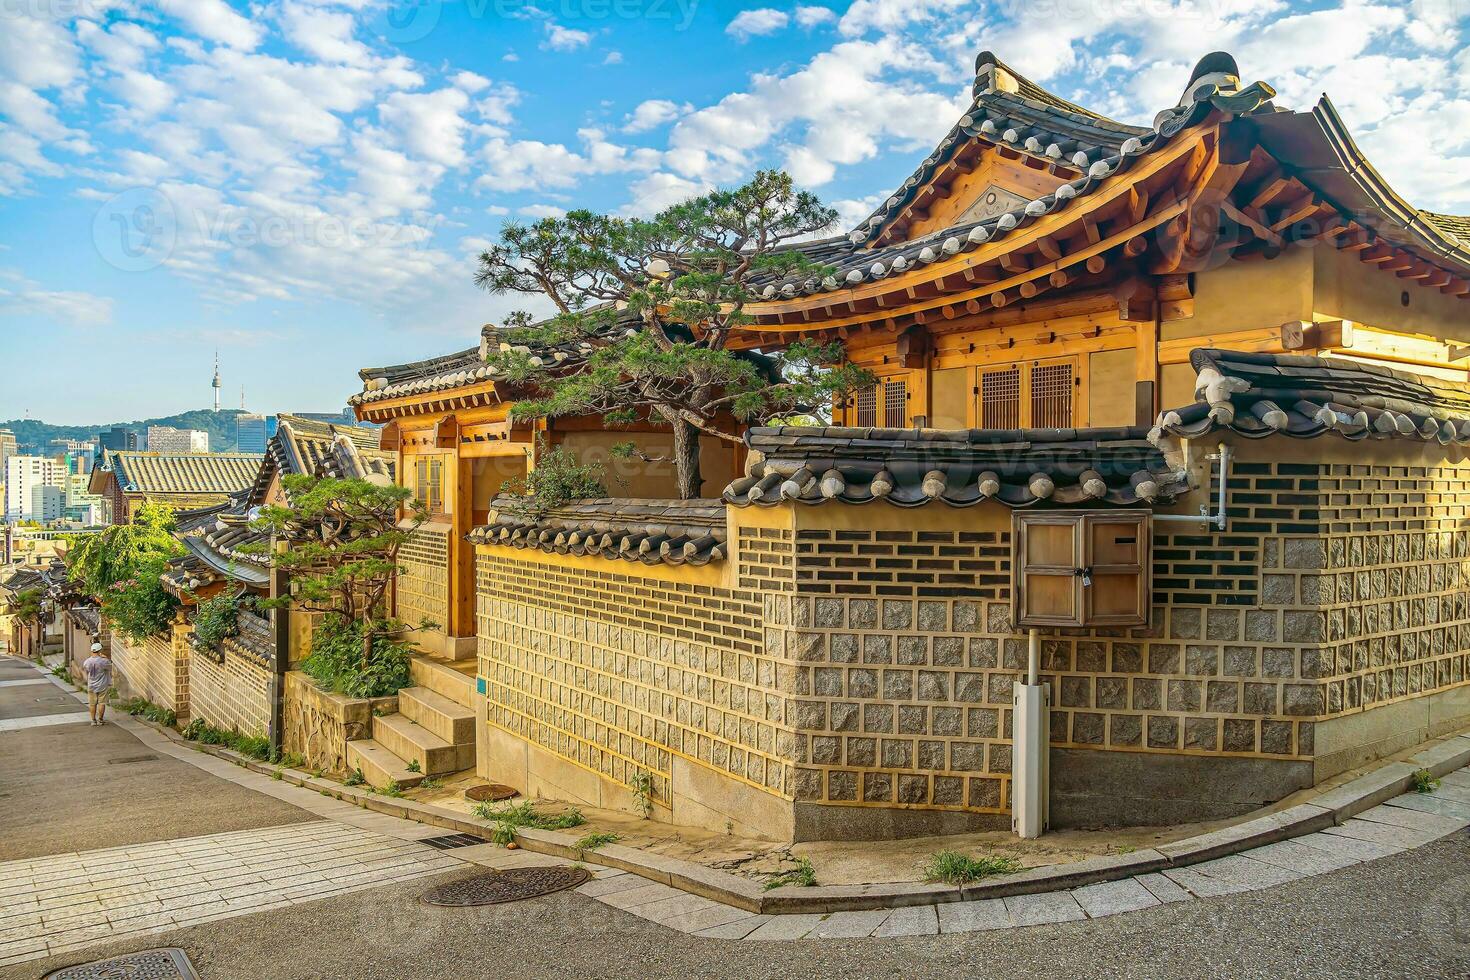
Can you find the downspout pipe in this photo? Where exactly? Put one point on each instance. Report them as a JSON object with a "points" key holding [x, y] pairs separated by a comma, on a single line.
{"points": [[1218, 519]]}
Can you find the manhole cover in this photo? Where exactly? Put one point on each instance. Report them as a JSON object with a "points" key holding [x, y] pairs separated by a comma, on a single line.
{"points": [[490, 791], [150, 964], [506, 886]]}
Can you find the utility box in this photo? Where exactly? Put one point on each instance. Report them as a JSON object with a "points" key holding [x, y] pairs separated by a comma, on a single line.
{"points": [[1081, 568]]}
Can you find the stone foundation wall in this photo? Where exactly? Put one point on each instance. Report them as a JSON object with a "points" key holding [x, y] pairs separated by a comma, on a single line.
{"points": [[233, 692], [318, 724]]}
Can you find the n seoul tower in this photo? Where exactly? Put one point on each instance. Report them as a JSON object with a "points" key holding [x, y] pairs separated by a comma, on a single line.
{"points": [[215, 384]]}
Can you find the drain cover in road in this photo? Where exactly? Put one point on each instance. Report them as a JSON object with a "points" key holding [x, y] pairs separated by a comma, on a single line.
{"points": [[150, 964], [506, 886], [450, 841], [490, 791]]}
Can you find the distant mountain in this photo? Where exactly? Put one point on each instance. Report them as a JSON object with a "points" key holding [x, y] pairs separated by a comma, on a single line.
{"points": [[220, 426]]}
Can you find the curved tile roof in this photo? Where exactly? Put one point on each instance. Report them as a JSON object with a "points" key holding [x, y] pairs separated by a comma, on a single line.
{"points": [[959, 467], [673, 532], [182, 473], [1303, 396]]}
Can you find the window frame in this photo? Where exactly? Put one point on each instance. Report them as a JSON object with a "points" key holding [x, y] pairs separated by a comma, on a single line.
{"points": [[1025, 407]]}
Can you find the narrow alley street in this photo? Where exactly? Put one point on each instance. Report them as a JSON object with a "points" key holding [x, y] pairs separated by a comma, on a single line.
{"points": [[115, 840]]}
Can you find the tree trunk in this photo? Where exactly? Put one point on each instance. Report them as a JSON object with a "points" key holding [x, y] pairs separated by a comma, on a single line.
{"points": [[686, 459]]}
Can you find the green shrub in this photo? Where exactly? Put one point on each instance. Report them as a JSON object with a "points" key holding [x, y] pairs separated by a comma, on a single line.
{"points": [[509, 817], [558, 478], [255, 746], [216, 619], [594, 840], [147, 709], [954, 868], [802, 876], [355, 778], [337, 665], [1424, 781]]}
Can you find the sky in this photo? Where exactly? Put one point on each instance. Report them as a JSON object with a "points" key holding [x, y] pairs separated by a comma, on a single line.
{"points": [[303, 185]]}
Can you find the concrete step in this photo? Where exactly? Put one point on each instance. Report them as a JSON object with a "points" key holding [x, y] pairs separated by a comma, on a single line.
{"points": [[410, 741], [440, 678], [379, 766], [448, 719]]}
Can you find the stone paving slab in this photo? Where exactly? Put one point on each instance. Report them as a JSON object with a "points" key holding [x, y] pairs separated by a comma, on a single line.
{"points": [[784, 927], [1402, 838], [1044, 909], [736, 928], [849, 925], [1343, 846], [977, 916], [1436, 803], [1241, 869], [711, 917], [914, 920], [1201, 885], [1114, 897], [1304, 860], [1399, 814]]}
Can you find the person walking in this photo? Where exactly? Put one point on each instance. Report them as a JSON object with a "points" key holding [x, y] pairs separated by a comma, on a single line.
{"points": [[98, 671]]}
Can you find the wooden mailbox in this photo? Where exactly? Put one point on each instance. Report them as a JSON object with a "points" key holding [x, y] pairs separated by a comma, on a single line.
{"points": [[1081, 568]]}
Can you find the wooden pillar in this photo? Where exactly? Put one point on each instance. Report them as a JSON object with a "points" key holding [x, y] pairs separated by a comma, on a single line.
{"points": [[1146, 370]]}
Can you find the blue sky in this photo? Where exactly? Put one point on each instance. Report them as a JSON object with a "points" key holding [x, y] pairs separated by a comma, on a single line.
{"points": [[303, 184]]}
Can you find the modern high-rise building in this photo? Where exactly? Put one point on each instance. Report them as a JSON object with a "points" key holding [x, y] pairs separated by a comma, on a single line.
{"points": [[118, 438], [22, 475], [167, 439], [252, 432], [47, 503], [8, 447], [81, 504]]}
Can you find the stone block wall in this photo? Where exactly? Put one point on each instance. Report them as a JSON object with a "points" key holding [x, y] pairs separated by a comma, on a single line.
{"points": [[857, 663], [232, 692], [622, 670]]}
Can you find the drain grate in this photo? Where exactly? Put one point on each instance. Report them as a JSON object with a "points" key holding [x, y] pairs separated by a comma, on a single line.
{"points": [[150, 964], [124, 760], [506, 886], [490, 791], [450, 841]]}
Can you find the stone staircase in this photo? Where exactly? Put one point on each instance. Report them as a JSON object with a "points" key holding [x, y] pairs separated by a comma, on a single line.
{"points": [[434, 724]]}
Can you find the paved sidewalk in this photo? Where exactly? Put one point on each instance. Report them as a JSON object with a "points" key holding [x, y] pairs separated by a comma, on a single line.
{"points": [[1409, 821], [55, 904]]}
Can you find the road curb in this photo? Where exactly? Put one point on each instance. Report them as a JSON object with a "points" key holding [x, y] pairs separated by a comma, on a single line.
{"points": [[1332, 808]]}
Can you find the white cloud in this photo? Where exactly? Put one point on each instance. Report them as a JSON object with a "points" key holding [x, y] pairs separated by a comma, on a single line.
{"points": [[20, 296], [215, 20], [810, 17], [657, 191], [559, 38], [613, 58], [525, 165], [431, 126], [758, 22], [653, 113], [541, 211], [326, 35]]}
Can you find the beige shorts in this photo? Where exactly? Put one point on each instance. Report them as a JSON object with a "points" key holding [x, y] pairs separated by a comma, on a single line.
{"points": [[96, 699]]}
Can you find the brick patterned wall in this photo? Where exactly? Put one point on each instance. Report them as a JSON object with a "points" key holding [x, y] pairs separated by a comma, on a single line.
{"points": [[152, 669], [234, 694], [422, 587], [620, 672]]}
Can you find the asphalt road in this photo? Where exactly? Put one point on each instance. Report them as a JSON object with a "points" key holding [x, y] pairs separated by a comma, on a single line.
{"points": [[1403, 916], [72, 787]]}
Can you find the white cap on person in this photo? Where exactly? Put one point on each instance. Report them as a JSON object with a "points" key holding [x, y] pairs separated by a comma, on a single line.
{"points": [[96, 648]]}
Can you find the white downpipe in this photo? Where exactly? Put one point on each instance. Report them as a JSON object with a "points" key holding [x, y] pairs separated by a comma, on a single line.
{"points": [[1030, 768]]}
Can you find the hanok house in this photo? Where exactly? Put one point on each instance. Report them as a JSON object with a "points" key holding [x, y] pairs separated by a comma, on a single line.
{"points": [[1182, 402], [237, 684], [448, 421], [179, 481]]}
